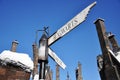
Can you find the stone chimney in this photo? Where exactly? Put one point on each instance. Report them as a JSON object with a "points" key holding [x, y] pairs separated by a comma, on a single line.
{"points": [[35, 59], [68, 77], [57, 72], [79, 72], [113, 42], [49, 74], [14, 45], [110, 71]]}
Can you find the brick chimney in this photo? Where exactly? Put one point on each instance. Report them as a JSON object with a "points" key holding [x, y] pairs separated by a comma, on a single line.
{"points": [[14, 45]]}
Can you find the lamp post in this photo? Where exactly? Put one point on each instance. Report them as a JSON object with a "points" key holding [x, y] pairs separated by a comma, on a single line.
{"points": [[43, 52]]}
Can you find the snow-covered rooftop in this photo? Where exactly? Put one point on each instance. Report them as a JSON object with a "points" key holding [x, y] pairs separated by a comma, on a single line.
{"points": [[116, 55], [36, 77], [20, 59]]}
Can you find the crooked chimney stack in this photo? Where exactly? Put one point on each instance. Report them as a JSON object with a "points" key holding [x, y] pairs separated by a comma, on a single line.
{"points": [[14, 45], [79, 72], [115, 46], [109, 68], [35, 59], [57, 72]]}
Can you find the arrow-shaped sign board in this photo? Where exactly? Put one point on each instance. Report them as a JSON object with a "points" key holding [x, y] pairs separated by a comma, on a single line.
{"points": [[56, 58], [74, 22]]}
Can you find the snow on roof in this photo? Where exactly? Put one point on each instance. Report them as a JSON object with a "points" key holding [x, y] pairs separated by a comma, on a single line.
{"points": [[21, 59], [116, 55], [36, 77]]}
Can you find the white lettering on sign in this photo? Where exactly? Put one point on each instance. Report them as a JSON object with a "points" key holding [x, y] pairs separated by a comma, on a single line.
{"points": [[56, 58], [62, 31], [71, 24], [65, 29]]}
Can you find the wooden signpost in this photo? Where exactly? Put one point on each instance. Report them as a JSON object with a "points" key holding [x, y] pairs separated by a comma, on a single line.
{"points": [[46, 42]]}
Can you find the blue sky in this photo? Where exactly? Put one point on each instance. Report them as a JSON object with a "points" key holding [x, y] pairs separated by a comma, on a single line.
{"points": [[19, 19]]}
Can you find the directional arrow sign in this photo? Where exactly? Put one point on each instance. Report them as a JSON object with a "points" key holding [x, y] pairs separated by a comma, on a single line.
{"points": [[56, 58], [78, 19], [74, 22]]}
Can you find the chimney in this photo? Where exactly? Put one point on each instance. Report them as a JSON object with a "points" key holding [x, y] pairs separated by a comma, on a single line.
{"points": [[57, 72], [48, 74], [104, 42], [35, 59], [113, 42], [14, 45], [79, 72], [51, 74], [109, 70], [68, 77]]}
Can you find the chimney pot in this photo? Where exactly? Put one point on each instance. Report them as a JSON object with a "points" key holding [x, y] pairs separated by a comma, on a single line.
{"points": [[14, 45]]}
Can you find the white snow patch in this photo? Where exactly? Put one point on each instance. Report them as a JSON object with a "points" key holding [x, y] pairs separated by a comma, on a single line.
{"points": [[20, 59], [36, 77], [117, 56]]}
